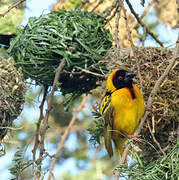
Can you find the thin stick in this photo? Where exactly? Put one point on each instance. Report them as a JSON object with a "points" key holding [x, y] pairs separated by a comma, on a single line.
{"points": [[50, 99], [150, 101], [144, 13], [97, 5], [11, 7], [154, 139], [142, 24], [132, 45], [37, 134], [108, 10], [63, 138], [116, 34], [89, 72], [83, 3]]}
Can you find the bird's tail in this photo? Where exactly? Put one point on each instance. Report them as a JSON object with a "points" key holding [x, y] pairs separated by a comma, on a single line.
{"points": [[119, 145], [107, 140]]}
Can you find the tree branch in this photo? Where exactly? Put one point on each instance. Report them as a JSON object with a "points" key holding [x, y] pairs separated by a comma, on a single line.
{"points": [[142, 24], [37, 134], [154, 139], [12, 7], [63, 138], [45, 122]]}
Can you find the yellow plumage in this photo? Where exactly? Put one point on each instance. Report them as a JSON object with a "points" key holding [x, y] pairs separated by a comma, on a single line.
{"points": [[122, 107]]}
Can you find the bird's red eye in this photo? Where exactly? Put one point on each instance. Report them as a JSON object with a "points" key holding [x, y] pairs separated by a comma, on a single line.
{"points": [[120, 78]]}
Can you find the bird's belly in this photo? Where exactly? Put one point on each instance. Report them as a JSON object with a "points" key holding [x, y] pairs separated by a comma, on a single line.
{"points": [[125, 121]]}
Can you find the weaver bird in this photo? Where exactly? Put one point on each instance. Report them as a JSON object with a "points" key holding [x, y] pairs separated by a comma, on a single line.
{"points": [[122, 107]]}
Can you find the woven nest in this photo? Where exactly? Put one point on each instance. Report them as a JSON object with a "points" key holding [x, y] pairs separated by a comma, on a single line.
{"points": [[164, 118], [78, 36], [12, 92]]}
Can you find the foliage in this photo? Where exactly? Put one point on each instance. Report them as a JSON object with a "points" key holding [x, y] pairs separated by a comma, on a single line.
{"points": [[165, 167], [97, 131], [19, 164], [78, 36]]}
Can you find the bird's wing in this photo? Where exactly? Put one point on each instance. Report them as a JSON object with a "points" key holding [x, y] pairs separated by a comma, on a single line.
{"points": [[106, 111]]}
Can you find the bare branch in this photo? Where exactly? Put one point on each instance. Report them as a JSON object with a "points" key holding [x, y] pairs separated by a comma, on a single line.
{"points": [[45, 121], [83, 3], [37, 134], [108, 10], [142, 24], [12, 7], [97, 5], [63, 138], [154, 139], [132, 44], [116, 34]]}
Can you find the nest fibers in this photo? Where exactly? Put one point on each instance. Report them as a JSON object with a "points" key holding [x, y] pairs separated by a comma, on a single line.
{"points": [[164, 118], [12, 91], [78, 36]]}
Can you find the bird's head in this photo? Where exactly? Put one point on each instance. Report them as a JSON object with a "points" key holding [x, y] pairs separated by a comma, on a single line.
{"points": [[120, 79]]}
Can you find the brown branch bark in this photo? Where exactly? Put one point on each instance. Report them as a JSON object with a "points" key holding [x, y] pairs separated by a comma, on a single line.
{"points": [[133, 48], [63, 138], [149, 103], [154, 139], [12, 7], [142, 24], [97, 5], [144, 13], [37, 134], [45, 122]]}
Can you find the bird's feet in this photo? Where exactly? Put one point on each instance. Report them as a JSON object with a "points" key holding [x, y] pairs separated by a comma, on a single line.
{"points": [[135, 138]]}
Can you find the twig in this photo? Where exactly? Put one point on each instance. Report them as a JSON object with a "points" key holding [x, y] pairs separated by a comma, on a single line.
{"points": [[50, 99], [11, 128], [108, 10], [11, 7], [83, 3], [142, 24], [89, 72], [114, 13], [127, 27], [97, 5], [144, 36], [150, 100], [154, 139], [132, 44], [37, 134], [63, 138], [143, 14], [116, 34], [178, 134]]}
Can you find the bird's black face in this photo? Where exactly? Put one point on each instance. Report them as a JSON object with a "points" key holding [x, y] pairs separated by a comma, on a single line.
{"points": [[123, 79]]}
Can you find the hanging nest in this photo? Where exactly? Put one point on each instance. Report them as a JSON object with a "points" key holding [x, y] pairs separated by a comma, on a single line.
{"points": [[164, 118], [12, 92], [78, 36]]}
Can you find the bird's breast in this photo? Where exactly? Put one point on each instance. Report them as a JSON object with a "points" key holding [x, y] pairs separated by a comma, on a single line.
{"points": [[126, 110]]}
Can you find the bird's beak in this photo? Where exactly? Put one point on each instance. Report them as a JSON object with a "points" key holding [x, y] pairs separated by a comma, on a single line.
{"points": [[129, 76]]}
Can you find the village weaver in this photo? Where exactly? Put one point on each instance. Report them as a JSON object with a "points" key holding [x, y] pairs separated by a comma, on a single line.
{"points": [[122, 107]]}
